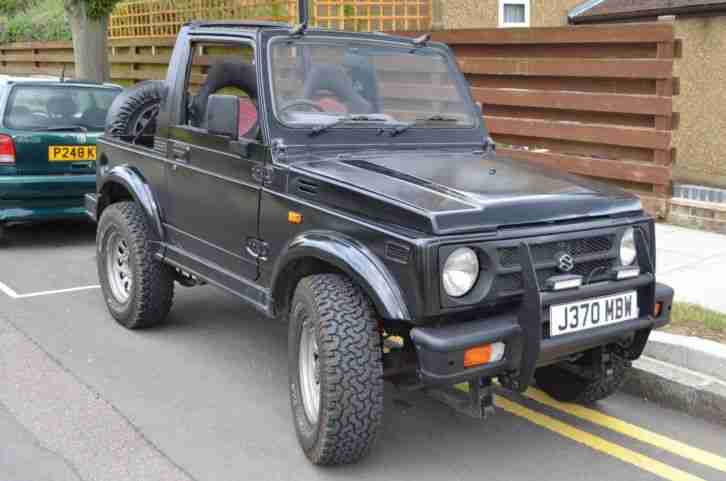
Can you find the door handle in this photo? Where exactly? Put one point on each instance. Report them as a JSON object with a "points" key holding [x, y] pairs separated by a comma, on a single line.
{"points": [[180, 153]]}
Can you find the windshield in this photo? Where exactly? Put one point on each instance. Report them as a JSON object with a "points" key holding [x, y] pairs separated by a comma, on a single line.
{"points": [[352, 83], [41, 107]]}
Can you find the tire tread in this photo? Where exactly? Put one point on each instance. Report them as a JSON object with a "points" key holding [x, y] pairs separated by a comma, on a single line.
{"points": [[155, 279], [354, 372]]}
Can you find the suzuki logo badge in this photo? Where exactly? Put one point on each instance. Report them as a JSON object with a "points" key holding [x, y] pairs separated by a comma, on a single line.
{"points": [[565, 262]]}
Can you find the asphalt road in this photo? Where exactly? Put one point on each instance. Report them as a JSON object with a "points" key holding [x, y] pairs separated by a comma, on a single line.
{"points": [[205, 398]]}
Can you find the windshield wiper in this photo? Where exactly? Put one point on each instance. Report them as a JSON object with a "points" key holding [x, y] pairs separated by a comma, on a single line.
{"points": [[319, 129], [431, 118]]}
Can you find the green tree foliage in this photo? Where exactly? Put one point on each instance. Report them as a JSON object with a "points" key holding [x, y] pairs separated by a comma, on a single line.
{"points": [[98, 9], [29, 20]]}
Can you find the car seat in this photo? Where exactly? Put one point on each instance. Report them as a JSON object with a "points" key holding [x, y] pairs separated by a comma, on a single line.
{"points": [[62, 107], [229, 73], [94, 118], [333, 78]]}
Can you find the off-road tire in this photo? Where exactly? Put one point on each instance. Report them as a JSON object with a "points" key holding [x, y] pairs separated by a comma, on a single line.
{"points": [[152, 289], [127, 112], [566, 386], [350, 369]]}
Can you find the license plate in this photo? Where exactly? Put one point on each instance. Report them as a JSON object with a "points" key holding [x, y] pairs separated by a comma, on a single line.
{"points": [[591, 313], [71, 153]]}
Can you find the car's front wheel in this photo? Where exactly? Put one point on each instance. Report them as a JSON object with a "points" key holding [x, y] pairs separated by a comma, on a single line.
{"points": [[565, 385], [138, 288], [336, 374]]}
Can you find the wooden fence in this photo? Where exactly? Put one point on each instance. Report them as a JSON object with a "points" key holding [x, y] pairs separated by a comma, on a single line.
{"points": [[594, 100], [164, 18]]}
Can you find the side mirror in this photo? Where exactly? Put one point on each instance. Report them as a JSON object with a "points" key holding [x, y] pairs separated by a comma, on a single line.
{"points": [[223, 116], [480, 106]]}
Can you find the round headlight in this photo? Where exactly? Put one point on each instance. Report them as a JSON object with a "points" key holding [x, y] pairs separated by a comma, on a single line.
{"points": [[628, 253], [461, 270]]}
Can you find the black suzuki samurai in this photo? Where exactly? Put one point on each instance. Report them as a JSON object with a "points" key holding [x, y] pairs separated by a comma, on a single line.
{"points": [[346, 183]]}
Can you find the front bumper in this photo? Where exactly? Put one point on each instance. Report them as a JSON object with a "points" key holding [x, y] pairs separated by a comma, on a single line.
{"points": [[440, 350]]}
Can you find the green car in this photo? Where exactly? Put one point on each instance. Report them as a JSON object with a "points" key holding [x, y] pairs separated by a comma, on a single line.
{"points": [[48, 132]]}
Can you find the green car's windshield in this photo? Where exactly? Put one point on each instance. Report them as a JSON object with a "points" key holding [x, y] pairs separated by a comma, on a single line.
{"points": [[322, 84], [58, 107]]}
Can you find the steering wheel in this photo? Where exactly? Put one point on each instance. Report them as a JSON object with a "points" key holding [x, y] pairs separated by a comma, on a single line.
{"points": [[301, 102]]}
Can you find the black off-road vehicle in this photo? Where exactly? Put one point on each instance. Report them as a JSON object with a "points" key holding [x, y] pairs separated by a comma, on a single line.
{"points": [[346, 183]]}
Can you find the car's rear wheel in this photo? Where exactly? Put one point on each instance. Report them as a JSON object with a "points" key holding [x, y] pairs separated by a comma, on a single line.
{"points": [[566, 385], [132, 114], [335, 369], [137, 287]]}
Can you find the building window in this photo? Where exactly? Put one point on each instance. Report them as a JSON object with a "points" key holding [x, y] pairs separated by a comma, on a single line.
{"points": [[514, 13]]}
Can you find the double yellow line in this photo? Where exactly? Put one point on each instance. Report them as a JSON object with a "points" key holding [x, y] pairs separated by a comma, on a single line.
{"points": [[602, 445]]}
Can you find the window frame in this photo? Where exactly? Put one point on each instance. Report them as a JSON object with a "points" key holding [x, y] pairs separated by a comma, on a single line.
{"points": [[341, 41], [527, 14], [194, 42]]}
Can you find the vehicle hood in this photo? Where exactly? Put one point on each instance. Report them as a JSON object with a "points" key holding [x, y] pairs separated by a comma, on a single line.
{"points": [[445, 192]]}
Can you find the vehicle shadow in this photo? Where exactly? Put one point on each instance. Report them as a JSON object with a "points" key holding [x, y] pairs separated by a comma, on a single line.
{"points": [[51, 234], [239, 359]]}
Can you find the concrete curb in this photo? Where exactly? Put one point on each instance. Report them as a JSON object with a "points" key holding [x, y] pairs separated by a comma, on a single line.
{"points": [[683, 373], [696, 354], [678, 388]]}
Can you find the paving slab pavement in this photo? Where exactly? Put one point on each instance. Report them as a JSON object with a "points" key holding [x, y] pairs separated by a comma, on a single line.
{"points": [[693, 262], [23, 458]]}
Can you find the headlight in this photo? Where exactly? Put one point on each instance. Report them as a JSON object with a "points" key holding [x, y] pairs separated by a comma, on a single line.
{"points": [[628, 253], [461, 270]]}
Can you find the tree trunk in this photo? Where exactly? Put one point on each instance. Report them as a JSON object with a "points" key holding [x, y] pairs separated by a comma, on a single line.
{"points": [[90, 46]]}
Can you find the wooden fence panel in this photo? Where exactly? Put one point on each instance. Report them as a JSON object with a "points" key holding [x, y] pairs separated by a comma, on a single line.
{"points": [[594, 100]]}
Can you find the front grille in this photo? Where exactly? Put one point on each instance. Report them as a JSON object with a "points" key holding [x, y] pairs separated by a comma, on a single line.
{"points": [[594, 257], [509, 256], [591, 271]]}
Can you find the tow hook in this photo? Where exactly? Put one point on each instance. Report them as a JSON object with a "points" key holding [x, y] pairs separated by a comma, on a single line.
{"points": [[476, 400]]}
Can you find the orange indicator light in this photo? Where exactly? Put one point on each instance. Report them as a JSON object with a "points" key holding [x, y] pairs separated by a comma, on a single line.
{"points": [[477, 355], [294, 217]]}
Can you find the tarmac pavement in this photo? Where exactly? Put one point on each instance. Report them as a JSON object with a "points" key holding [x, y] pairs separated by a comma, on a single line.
{"points": [[205, 398]]}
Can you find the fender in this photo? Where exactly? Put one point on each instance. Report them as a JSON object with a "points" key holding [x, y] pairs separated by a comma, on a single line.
{"points": [[139, 189], [354, 259]]}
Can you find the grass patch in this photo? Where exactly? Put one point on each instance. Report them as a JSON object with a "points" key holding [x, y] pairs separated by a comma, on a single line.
{"points": [[684, 312], [694, 320]]}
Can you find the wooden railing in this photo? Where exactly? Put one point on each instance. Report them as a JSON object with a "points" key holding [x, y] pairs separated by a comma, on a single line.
{"points": [[164, 18], [595, 101]]}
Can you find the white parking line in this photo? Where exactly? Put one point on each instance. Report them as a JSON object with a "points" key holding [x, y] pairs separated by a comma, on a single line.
{"points": [[4, 288], [7, 291]]}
